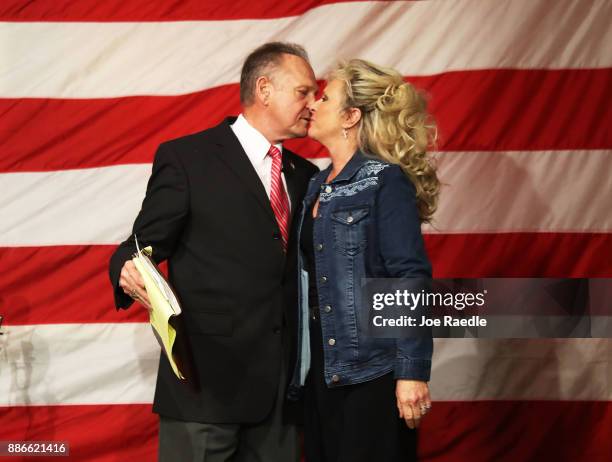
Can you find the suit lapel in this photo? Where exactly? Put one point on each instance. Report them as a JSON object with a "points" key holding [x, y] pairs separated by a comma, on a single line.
{"points": [[296, 184], [236, 159], [292, 178], [292, 183]]}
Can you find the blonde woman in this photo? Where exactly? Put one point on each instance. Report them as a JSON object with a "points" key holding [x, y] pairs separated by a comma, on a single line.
{"points": [[361, 218]]}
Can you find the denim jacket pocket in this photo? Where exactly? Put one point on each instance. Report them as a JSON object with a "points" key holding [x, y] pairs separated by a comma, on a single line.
{"points": [[349, 228]]}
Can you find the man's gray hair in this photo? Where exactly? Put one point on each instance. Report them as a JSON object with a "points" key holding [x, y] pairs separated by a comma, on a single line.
{"points": [[258, 63]]}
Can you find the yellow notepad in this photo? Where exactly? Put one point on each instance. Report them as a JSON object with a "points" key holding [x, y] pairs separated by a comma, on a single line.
{"points": [[164, 303]]}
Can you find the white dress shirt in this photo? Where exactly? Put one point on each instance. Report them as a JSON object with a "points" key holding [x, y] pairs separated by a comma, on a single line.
{"points": [[256, 147]]}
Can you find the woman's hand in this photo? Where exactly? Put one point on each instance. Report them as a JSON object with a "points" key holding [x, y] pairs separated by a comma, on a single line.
{"points": [[413, 401]]}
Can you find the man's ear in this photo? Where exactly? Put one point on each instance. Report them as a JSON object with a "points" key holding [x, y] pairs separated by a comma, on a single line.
{"points": [[352, 116], [263, 87]]}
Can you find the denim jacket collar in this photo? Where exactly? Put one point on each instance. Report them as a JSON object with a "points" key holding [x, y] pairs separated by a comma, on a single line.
{"points": [[351, 167], [346, 174]]}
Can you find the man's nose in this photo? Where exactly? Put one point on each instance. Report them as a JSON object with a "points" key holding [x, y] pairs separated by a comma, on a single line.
{"points": [[311, 99]]}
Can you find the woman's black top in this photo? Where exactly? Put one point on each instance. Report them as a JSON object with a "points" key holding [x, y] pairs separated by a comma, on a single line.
{"points": [[307, 246]]}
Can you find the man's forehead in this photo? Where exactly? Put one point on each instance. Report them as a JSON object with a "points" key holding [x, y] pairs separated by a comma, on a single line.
{"points": [[298, 70]]}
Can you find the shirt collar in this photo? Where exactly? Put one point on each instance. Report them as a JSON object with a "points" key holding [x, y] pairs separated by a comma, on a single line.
{"points": [[253, 142]]}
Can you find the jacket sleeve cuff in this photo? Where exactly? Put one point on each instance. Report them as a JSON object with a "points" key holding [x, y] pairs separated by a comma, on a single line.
{"points": [[122, 301], [412, 369]]}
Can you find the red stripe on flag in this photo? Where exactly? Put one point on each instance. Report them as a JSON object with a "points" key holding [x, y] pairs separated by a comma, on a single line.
{"points": [[101, 433], [520, 255], [54, 134], [142, 10], [499, 110], [480, 110], [48, 285], [511, 431], [63, 284]]}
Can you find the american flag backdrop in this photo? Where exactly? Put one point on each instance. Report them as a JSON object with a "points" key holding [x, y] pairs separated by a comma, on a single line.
{"points": [[521, 91]]}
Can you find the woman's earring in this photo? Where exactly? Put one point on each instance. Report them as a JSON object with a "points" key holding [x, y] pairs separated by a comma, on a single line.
{"points": [[345, 133]]}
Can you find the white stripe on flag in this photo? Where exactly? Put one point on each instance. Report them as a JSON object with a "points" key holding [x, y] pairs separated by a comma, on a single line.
{"points": [[322, 163], [530, 191], [78, 364], [521, 369], [418, 38], [117, 364], [540, 191], [96, 205]]}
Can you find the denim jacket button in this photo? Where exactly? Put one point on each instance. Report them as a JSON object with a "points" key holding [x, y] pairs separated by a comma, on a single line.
{"points": [[331, 341], [349, 219], [319, 247], [327, 308], [335, 378], [323, 278], [328, 189]]}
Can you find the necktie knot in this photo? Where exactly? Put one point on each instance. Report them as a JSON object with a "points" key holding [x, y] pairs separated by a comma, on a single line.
{"points": [[274, 152]]}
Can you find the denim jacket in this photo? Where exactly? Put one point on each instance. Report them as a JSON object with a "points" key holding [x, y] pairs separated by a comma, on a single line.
{"points": [[368, 227]]}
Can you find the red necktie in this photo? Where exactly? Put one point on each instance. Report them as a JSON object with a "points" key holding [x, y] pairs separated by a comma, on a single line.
{"points": [[278, 196]]}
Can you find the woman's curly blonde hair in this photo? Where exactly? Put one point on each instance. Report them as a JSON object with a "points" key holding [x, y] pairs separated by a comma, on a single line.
{"points": [[395, 125]]}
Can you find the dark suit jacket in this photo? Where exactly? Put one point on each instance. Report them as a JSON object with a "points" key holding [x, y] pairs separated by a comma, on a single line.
{"points": [[207, 213]]}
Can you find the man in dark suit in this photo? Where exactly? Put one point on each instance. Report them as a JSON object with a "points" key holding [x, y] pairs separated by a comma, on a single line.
{"points": [[220, 208]]}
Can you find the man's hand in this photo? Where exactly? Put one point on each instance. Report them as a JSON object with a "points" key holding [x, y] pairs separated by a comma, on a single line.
{"points": [[413, 401], [132, 284]]}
